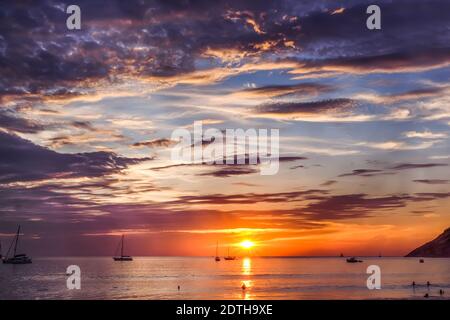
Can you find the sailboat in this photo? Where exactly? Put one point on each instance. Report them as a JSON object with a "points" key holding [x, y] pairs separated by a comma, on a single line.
{"points": [[122, 257], [16, 258], [228, 257], [217, 252]]}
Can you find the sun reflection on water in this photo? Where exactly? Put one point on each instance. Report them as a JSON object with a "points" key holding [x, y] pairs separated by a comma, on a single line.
{"points": [[246, 266], [246, 284]]}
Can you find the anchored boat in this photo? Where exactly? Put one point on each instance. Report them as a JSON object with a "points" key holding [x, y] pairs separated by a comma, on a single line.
{"points": [[122, 257], [228, 257], [16, 258], [353, 260], [217, 258]]}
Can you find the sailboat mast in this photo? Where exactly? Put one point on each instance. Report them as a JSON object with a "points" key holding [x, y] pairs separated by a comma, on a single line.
{"points": [[121, 251], [217, 248], [17, 241]]}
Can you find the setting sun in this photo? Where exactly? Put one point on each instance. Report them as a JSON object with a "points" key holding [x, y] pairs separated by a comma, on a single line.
{"points": [[247, 244]]}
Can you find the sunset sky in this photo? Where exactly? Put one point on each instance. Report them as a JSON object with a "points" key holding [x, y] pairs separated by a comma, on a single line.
{"points": [[86, 118]]}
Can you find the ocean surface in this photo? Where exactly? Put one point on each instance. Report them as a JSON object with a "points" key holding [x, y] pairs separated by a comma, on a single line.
{"points": [[203, 278]]}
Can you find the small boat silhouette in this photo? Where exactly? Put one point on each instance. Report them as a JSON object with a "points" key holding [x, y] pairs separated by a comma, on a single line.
{"points": [[122, 257], [353, 260], [217, 258], [228, 257], [16, 258]]}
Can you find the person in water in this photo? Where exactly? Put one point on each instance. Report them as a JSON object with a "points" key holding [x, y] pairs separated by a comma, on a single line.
{"points": [[441, 292], [243, 286], [428, 284]]}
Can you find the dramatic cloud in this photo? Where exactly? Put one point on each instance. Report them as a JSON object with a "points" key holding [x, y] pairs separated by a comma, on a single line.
{"points": [[314, 111], [426, 196], [253, 198], [291, 158], [363, 173], [235, 168], [329, 183], [301, 89], [388, 63], [85, 125], [425, 135], [142, 39], [391, 170], [405, 166], [12, 122], [23, 161], [416, 94], [354, 206], [228, 171], [432, 181], [156, 143]]}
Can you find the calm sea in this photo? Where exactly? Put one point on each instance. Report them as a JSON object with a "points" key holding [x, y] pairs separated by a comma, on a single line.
{"points": [[203, 278]]}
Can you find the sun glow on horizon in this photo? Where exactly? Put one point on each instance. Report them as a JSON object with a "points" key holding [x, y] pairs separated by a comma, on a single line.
{"points": [[247, 244]]}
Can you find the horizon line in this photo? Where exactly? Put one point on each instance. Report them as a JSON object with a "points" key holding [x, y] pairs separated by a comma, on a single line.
{"points": [[212, 256]]}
